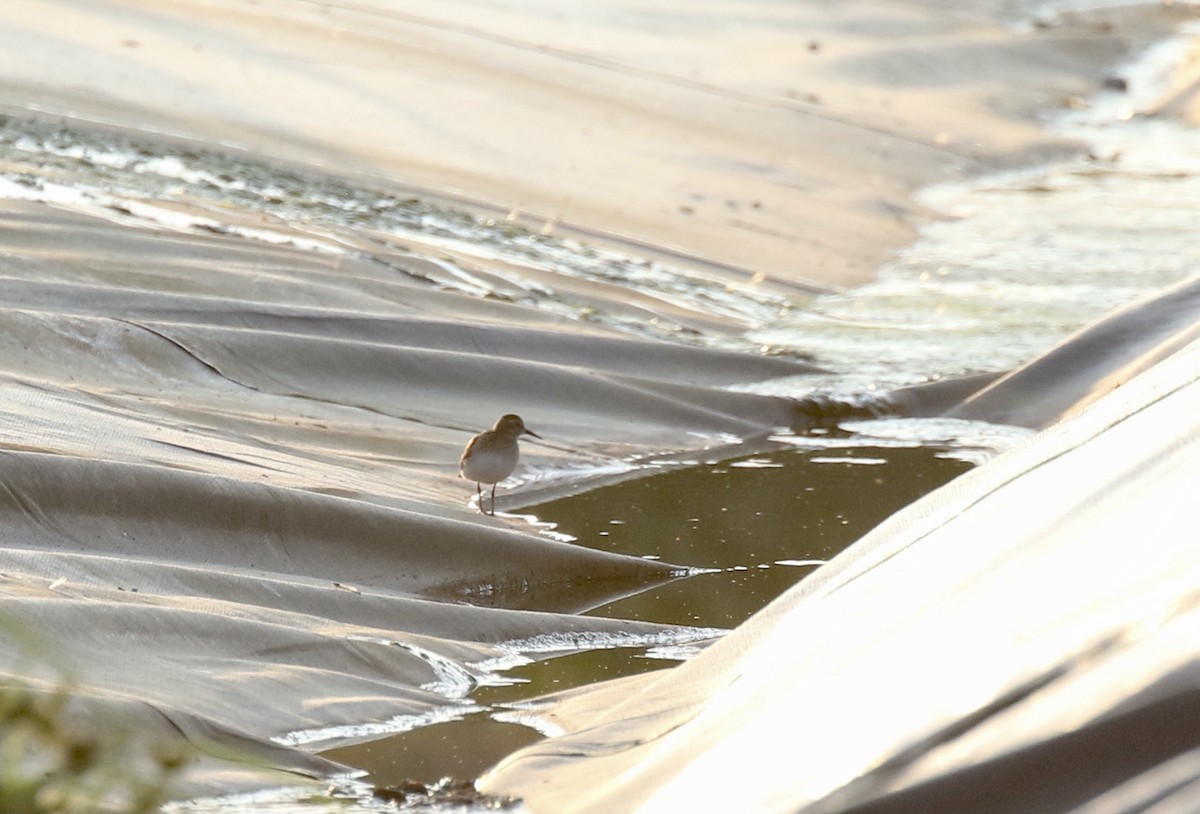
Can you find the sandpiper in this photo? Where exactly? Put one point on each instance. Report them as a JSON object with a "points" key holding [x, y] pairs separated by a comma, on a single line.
{"points": [[491, 456]]}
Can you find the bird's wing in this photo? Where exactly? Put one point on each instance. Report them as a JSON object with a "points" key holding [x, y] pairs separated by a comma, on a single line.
{"points": [[466, 453]]}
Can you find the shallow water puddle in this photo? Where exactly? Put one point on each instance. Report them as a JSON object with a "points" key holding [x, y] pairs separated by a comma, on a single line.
{"points": [[459, 749], [757, 524]]}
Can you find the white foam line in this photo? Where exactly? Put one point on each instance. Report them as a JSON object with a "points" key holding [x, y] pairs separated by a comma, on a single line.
{"points": [[756, 463], [346, 794], [583, 641], [392, 726], [451, 679], [800, 563], [847, 460], [676, 652]]}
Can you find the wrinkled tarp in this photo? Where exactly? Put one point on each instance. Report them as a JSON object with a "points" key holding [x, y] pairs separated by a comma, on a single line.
{"points": [[228, 499], [261, 491], [178, 474]]}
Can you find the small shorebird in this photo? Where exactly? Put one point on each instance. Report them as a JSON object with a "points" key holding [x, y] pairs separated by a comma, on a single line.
{"points": [[491, 456]]}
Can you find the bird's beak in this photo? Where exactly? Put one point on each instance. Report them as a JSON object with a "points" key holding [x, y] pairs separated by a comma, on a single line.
{"points": [[531, 432]]}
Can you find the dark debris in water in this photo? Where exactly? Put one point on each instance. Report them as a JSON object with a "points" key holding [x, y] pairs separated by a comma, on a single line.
{"points": [[412, 795]]}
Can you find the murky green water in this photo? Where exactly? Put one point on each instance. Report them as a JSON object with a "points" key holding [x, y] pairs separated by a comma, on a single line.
{"points": [[757, 524], [459, 749], [760, 522]]}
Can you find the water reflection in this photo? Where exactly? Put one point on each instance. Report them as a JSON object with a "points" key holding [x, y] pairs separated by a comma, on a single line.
{"points": [[748, 519], [458, 749]]}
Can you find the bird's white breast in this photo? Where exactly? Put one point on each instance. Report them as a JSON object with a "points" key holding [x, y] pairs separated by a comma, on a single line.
{"points": [[490, 466]]}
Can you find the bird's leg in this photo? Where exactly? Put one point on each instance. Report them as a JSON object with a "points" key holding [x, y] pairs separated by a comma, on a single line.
{"points": [[493, 500], [479, 500]]}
